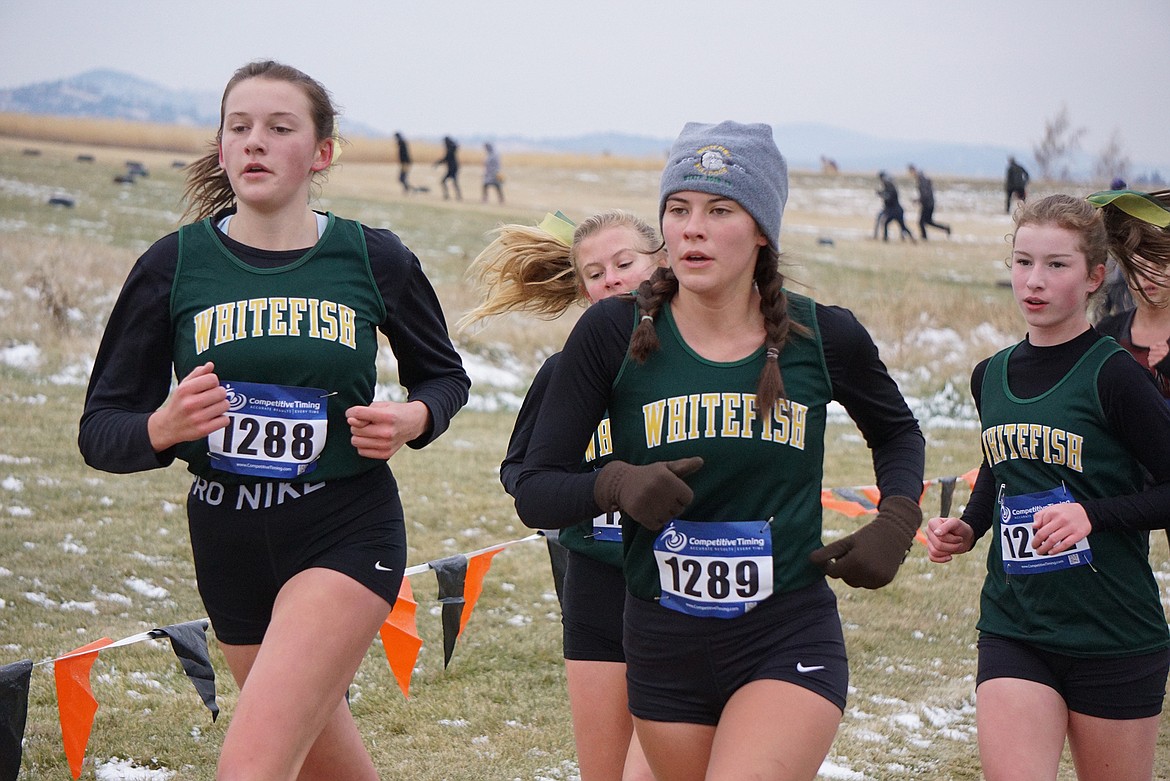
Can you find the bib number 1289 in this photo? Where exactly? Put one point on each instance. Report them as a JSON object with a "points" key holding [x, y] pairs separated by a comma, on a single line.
{"points": [[713, 578], [720, 569]]}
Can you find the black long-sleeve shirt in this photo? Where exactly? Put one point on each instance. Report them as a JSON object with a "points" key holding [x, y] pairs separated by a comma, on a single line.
{"points": [[1134, 410], [513, 462], [133, 371], [551, 491]]}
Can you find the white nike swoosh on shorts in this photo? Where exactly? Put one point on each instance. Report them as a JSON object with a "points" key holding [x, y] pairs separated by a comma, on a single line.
{"points": [[800, 668]]}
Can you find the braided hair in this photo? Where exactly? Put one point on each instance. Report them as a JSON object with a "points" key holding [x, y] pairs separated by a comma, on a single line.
{"points": [[778, 326]]}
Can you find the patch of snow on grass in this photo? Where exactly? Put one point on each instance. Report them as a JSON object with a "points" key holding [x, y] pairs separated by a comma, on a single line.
{"points": [[146, 588], [21, 356], [117, 769]]}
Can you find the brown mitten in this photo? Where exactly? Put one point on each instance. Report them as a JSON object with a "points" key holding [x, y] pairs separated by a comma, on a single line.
{"points": [[870, 556], [651, 494]]}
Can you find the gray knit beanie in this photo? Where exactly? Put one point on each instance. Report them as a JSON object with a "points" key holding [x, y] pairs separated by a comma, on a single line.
{"points": [[736, 161]]}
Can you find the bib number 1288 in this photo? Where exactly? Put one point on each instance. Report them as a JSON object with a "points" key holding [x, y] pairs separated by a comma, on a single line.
{"points": [[274, 431], [248, 436]]}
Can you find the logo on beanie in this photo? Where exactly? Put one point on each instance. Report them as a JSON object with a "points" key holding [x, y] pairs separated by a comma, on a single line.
{"points": [[712, 160]]}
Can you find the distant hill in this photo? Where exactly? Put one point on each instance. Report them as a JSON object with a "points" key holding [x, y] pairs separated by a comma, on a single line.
{"points": [[108, 94], [111, 94], [804, 144]]}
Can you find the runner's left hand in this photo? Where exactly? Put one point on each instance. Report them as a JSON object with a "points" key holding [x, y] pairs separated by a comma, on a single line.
{"points": [[870, 556], [382, 428]]}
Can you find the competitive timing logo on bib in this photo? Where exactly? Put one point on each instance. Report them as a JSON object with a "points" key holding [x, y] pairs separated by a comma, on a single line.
{"points": [[235, 399], [673, 540]]}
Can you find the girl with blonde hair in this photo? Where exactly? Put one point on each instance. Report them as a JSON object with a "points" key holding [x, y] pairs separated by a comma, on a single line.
{"points": [[543, 271]]}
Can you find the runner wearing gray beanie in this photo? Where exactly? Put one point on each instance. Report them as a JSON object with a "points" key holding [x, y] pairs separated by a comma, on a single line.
{"points": [[717, 382], [732, 160]]}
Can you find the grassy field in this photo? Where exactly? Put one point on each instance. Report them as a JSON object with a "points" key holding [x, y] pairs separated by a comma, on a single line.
{"points": [[85, 554]]}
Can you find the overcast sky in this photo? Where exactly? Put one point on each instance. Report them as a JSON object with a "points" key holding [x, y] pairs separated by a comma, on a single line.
{"points": [[981, 72]]}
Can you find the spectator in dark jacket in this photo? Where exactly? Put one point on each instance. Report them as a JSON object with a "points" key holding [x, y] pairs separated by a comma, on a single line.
{"points": [[891, 208], [1015, 183], [452, 161], [403, 162], [925, 203]]}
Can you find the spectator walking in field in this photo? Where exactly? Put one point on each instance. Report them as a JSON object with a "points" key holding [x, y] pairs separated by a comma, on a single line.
{"points": [[403, 163], [891, 209], [925, 201], [450, 158], [492, 176], [1015, 184], [268, 313]]}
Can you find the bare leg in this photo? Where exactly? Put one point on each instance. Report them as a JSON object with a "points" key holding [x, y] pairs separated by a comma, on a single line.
{"points": [[1113, 749], [637, 766], [773, 730], [602, 726], [675, 750], [1021, 726], [601, 722], [292, 686]]}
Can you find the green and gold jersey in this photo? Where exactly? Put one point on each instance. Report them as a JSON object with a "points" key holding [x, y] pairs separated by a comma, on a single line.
{"points": [[763, 466], [309, 324], [1109, 606]]}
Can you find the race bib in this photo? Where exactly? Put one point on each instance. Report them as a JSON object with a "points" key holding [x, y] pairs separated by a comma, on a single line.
{"points": [[1016, 514], [273, 431], [714, 570], [607, 527]]}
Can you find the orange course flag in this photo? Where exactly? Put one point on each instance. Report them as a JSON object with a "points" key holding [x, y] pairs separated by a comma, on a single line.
{"points": [[845, 502], [76, 704], [400, 638], [477, 569]]}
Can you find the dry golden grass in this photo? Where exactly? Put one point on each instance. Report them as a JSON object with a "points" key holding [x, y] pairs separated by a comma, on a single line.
{"points": [[66, 290], [90, 132], [499, 711], [189, 141]]}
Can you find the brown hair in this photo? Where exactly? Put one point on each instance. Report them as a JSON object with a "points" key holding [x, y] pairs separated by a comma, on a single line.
{"points": [[778, 326], [525, 269], [208, 189], [1073, 214], [1141, 248]]}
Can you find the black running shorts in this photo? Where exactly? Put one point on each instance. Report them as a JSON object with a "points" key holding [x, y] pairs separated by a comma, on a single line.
{"points": [[591, 610], [1110, 687], [249, 540], [684, 668]]}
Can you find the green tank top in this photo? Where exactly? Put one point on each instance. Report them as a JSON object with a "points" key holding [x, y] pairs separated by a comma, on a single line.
{"points": [[1110, 607], [598, 538], [757, 467], [310, 324]]}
